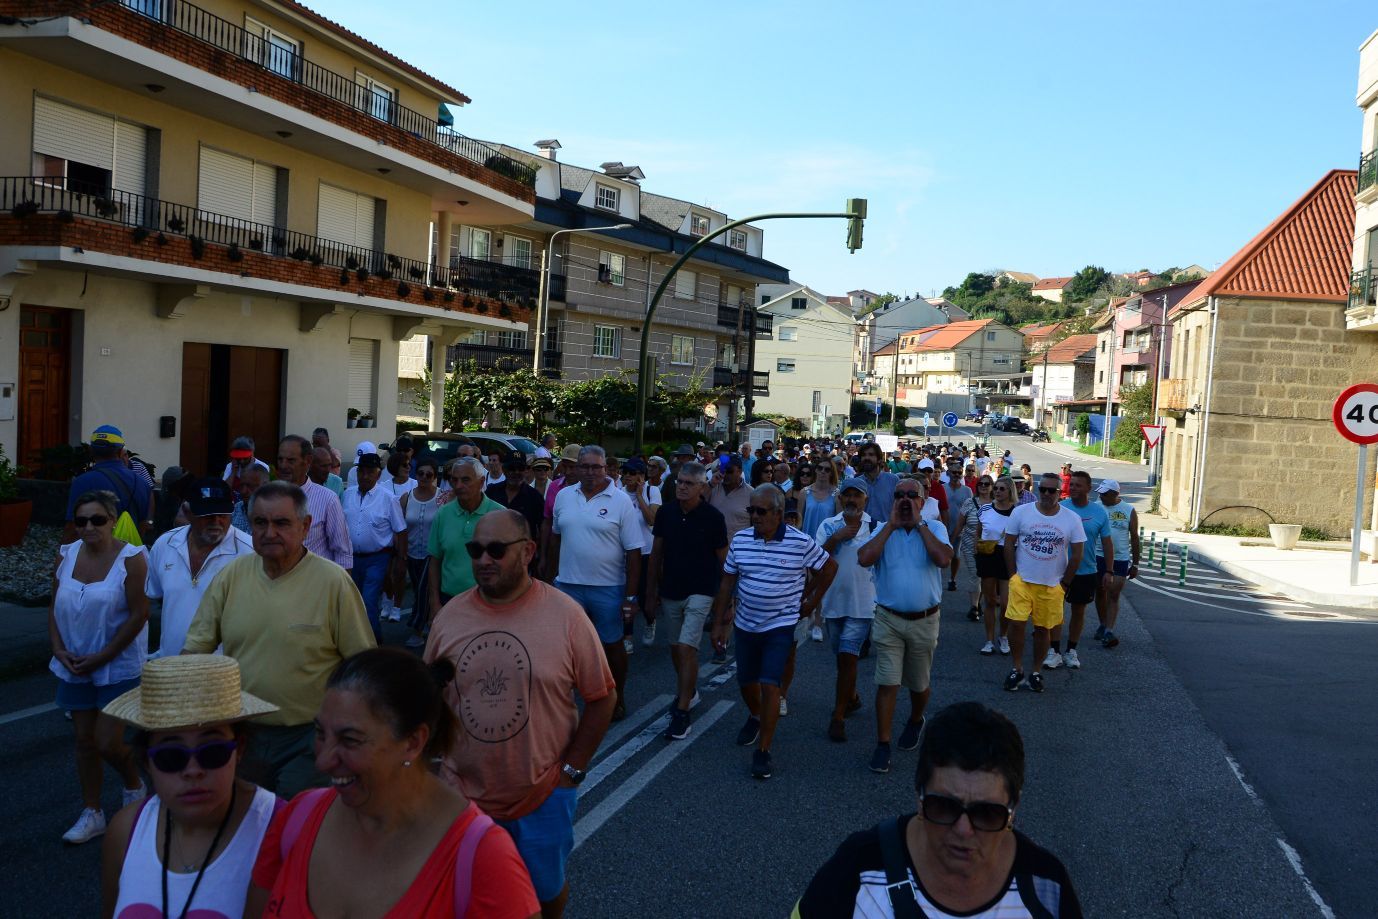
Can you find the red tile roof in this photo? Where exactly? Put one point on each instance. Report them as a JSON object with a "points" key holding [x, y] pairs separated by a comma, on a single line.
{"points": [[332, 26], [1052, 283], [1302, 255], [1071, 348], [884, 351], [945, 337]]}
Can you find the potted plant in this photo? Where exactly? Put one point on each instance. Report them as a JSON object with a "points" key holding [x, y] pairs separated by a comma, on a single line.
{"points": [[353, 421], [1285, 535], [14, 511], [365, 420]]}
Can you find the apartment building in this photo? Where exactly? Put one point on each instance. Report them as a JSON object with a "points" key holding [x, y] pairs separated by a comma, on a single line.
{"points": [[1362, 311], [940, 366], [1129, 335], [215, 220], [809, 358], [1059, 374]]}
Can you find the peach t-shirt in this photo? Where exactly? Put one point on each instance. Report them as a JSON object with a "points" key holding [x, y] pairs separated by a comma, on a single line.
{"points": [[516, 669]]}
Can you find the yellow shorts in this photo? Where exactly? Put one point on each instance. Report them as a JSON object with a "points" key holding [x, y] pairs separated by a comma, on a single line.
{"points": [[1038, 602]]}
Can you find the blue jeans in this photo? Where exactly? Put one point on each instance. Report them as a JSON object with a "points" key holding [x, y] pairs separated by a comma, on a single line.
{"points": [[544, 839], [848, 634], [761, 656], [369, 572], [603, 605]]}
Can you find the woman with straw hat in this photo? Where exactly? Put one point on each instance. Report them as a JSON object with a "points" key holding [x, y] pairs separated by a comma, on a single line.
{"points": [[98, 626], [190, 847]]}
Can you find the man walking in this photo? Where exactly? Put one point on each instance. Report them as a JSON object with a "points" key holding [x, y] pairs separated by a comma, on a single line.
{"points": [[378, 533], [595, 547], [1088, 582], [688, 550], [319, 472], [329, 536], [766, 569], [184, 561], [849, 606], [522, 650], [1124, 533], [909, 556], [871, 461], [109, 473], [731, 497], [453, 527], [289, 617], [514, 493], [958, 493], [1043, 548]]}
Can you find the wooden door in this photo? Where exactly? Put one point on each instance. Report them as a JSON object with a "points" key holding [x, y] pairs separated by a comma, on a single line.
{"points": [[45, 348], [196, 405], [227, 391], [255, 398]]}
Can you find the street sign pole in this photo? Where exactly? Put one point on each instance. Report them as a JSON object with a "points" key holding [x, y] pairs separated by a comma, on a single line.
{"points": [[1355, 414], [1358, 517]]}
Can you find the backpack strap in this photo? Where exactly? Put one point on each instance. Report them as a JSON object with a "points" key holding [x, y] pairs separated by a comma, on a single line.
{"points": [[125, 496], [464, 861], [297, 814], [134, 825], [897, 883]]}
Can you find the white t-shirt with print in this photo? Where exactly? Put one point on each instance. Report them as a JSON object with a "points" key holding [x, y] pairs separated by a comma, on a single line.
{"points": [[1043, 542], [651, 494]]}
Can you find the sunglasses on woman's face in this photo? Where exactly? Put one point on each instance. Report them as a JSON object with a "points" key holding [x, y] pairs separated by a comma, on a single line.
{"points": [[174, 757], [986, 816], [96, 520], [495, 550]]}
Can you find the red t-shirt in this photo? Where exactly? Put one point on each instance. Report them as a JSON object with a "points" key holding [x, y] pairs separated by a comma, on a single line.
{"points": [[1066, 478], [501, 886]]}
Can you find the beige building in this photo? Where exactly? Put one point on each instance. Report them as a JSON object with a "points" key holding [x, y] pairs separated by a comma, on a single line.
{"points": [[1051, 288], [809, 359], [218, 224], [1260, 352], [940, 366], [1362, 314]]}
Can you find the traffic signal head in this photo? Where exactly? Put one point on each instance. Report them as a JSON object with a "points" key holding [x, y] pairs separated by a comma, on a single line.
{"points": [[857, 208]]}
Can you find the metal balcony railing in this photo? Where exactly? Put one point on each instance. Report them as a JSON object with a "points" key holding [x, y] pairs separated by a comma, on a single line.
{"points": [[760, 379], [722, 377], [763, 323], [1368, 170], [24, 195], [498, 357], [1363, 288], [220, 33]]}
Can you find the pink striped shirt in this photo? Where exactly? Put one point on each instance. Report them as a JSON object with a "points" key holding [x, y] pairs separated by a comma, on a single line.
{"points": [[329, 536]]}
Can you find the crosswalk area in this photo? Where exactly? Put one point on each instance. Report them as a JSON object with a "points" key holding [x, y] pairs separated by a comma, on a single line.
{"points": [[1210, 587]]}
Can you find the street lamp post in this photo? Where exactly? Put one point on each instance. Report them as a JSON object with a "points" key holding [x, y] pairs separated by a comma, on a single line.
{"points": [[543, 298]]}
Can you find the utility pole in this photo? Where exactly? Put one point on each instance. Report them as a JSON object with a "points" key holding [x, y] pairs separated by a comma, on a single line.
{"points": [[1109, 386], [1155, 460], [735, 366], [894, 389]]}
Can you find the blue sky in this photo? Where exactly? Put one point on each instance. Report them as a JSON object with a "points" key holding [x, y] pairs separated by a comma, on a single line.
{"points": [[1033, 136]]}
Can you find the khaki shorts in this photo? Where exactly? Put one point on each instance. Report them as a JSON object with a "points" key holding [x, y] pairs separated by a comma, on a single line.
{"points": [[904, 649], [1041, 603], [684, 619]]}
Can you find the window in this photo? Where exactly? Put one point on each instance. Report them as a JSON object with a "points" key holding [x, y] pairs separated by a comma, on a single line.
{"points": [[799, 303], [784, 366], [518, 251], [990, 336], [698, 225], [377, 99], [607, 341], [363, 374], [275, 51], [736, 239], [789, 333], [480, 244], [817, 401], [87, 152], [685, 284], [1100, 376], [727, 354], [151, 8], [1102, 346], [240, 188], [765, 298], [612, 269], [682, 350], [1001, 359], [515, 339], [346, 217], [606, 197]]}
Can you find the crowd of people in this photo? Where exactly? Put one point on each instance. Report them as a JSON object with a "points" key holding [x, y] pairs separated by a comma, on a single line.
{"points": [[377, 778]]}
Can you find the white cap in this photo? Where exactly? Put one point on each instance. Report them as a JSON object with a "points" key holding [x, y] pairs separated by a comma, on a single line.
{"points": [[1107, 485], [365, 446], [925, 463]]}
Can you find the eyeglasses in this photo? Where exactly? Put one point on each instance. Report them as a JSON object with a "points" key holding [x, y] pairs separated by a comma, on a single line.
{"points": [[986, 816], [96, 520], [174, 757], [753, 511], [1048, 491], [687, 483], [495, 550], [589, 467], [901, 495]]}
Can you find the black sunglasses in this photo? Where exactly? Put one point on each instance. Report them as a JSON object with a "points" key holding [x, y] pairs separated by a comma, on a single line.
{"points": [[986, 816], [174, 757], [1048, 491], [753, 511], [901, 495], [495, 549], [96, 520]]}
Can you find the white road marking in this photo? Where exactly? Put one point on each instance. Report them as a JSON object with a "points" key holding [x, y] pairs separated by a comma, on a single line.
{"points": [[614, 802], [633, 721], [614, 760], [1248, 789], [1263, 614], [1171, 584], [28, 712], [1295, 861]]}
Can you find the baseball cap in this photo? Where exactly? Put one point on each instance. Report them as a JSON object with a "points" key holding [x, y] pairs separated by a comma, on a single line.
{"points": [[858, 483], [925, 463], [700, 444], [539, 461], [635, 464], [366, 447], [514, 462], [570, 453], [1107, 485], [107, 434], [209, 497], [684, 450], [370, 461]]}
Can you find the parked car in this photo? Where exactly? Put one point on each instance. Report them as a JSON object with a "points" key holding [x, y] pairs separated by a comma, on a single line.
{"points": [[444, 445]]}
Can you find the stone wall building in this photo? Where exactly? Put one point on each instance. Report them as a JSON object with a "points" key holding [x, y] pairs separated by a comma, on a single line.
{"points": [[1260, 351]]}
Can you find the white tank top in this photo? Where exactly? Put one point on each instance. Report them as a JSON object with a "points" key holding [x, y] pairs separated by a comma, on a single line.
{"points": [[226, 881]]}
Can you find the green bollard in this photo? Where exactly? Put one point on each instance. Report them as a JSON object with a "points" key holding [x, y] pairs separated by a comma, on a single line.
{"points": [[1162, 559], [1152, 544], [1182, 567]]}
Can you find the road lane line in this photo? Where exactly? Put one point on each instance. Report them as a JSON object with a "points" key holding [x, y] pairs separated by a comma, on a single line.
{"points": [[1248, 789], [638, 718], [614, 802], [1294, 860], [1280, 614], [28, 712]]}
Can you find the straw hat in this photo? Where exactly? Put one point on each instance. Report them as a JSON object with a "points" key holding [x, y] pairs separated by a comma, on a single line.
{"points": [[187, 690]]}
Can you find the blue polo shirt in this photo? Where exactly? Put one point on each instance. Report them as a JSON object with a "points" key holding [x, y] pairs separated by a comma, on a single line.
{"points": [[131, 491], [905, 579], [882, 497], [1095, 520]]}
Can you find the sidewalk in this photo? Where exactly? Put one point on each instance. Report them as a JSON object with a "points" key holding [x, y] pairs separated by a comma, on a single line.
{"points": [[23, 637], [1310, 575]]}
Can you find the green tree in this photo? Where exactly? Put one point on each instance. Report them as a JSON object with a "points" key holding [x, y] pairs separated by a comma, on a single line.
{"points": [[877, 303], [1087, 282], [593, 407], [1136, 404]]}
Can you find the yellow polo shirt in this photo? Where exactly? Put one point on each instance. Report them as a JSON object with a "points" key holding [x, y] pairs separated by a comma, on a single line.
{"points": [[287, 633]]}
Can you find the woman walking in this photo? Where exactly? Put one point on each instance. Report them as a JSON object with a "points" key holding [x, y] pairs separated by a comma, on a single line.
{"points": [[98, 625], [964, 538], [990, 562], [419, 507]]}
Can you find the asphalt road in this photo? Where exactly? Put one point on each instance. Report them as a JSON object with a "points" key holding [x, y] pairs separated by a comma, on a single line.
{"points": [[1128, 777]]}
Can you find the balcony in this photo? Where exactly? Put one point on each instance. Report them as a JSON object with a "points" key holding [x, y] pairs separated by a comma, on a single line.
{"points": [[36, 212], [225, 50], [558, 287], [1362, 312], [499, 358], [1368, 177], [724, 378], [1174, 395], [764, 323]]}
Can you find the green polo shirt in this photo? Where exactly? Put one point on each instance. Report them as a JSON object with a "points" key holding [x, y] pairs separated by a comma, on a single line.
{"points": [[452, 528]]}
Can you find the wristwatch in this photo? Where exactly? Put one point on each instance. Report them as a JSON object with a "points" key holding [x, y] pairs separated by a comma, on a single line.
{"points": [[629, 598], [575, 776]]}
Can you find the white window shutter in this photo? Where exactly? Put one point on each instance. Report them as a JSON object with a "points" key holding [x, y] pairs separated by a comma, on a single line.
{"points": [[225, 184], [685, 282], [363, 368], [131, 157], [345, 217], [265, 194], [74, 134]]}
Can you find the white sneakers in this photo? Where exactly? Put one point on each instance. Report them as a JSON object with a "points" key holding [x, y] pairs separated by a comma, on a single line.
{"points": [[130, 795], [627, 645], [784, 707], [89, 825], [1073, 662], [648, 634], [1004, 645], [390, 611], [816, 633], [988, 648], [1052, 661]]}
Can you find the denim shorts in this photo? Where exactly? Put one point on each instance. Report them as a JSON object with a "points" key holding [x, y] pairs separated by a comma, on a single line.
{"points": [[602, 604], [761, 656], [544, 839], [83, 697], [848, 634], [1121, 567]]}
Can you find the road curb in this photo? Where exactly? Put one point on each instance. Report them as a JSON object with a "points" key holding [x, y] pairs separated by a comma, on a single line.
{"points": [[1305, 595]]}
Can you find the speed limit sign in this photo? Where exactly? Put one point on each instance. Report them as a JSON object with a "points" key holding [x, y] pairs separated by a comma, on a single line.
{"points": [[1356, 413]]}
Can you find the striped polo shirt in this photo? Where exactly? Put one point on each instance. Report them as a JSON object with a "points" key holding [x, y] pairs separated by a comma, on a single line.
{"points": [[770, 576]]}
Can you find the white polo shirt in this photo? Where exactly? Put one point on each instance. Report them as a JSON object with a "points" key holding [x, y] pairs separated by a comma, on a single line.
{"points": [[373, 519], [595, 536], [170, 580]]}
